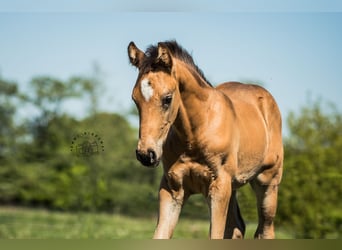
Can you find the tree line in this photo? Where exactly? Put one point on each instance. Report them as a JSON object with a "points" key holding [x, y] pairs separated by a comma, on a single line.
{"points": [[53, 160]]}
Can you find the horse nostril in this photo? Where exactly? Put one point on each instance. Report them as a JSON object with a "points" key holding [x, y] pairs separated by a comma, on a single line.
{"points": [[152, 155], [148, 159]]}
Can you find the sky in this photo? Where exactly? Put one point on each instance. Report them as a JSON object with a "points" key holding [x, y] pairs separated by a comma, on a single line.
{"points": [[293, 50]]}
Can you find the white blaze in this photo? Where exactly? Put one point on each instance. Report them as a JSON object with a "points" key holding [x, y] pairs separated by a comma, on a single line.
{"points": [[146, 89]]}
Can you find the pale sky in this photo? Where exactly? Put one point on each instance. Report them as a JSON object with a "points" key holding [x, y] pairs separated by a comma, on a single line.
{"points": [[294, 51]]}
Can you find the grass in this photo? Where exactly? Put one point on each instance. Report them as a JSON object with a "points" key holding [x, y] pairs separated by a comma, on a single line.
{"points": [[22, 223]]}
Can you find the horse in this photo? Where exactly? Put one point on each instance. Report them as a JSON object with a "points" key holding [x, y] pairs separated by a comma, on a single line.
{"points": [[211, 140]]}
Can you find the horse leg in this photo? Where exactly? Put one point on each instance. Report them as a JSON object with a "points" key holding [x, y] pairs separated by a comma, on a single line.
{"points": [[170, 204], [235, 226], [267, 205], [267, 195], [219, 195]]}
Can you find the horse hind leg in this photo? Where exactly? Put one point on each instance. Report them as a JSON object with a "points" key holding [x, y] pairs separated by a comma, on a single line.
{"points": [[235, 226], [266, 190]]}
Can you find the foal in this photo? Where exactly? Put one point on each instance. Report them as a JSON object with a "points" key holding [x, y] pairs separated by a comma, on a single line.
{"points": [[210, 140]]}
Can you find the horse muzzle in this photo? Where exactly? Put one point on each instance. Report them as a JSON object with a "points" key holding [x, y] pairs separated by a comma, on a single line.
{"points": [[148, 159]]}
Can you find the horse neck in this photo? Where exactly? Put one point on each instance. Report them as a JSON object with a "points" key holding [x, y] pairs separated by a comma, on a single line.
{"points": [[194, 93]]}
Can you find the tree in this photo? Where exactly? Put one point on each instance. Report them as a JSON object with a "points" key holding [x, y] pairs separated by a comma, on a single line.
{"points": [[47, 95], [9, 134], [8, 92], [310, 193], [46, 172]]}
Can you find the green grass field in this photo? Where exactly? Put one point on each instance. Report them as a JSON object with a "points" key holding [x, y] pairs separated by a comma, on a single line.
{"points": [[20, 223]]}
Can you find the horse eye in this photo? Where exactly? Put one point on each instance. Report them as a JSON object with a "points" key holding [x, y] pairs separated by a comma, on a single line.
{"points": [[166, 101]]}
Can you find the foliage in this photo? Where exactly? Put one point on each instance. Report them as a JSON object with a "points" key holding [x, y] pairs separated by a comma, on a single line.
{"points": [[8, 92], [310, 194], [55, 177], [43, 171]]}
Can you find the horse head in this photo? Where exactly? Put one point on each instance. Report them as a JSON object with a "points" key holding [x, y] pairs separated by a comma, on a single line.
{"points": [[156, 95]]}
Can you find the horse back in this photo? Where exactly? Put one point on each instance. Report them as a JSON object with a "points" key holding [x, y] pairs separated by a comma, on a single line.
{"points": [[253, 97]]}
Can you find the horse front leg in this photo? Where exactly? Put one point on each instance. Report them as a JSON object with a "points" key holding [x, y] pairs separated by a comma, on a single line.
{"points": [[220, 191], [170, 204]]}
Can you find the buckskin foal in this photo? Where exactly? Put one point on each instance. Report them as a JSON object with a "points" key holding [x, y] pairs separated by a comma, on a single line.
{"points": [[210, 140]]}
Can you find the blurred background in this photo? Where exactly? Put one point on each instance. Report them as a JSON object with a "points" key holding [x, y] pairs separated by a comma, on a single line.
{"points": [[68, 127]]}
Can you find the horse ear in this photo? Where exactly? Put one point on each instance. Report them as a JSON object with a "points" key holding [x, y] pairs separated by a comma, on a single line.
{"points": [[164, 56], [135, 55]]}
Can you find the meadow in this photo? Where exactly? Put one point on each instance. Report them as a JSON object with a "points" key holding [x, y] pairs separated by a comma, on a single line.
{"points": [[24, 223]]}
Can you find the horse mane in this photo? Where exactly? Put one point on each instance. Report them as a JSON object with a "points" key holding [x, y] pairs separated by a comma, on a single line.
{"points": [[177, 51]]}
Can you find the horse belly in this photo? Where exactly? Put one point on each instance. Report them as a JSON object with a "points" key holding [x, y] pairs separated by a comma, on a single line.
{"points": [[248, 168]]}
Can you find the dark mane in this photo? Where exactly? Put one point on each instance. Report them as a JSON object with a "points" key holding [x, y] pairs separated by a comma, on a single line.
{"points": [[177, 51]]}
